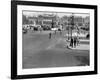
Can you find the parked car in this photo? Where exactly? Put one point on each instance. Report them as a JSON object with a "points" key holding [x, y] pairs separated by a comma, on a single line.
{"points": [[88, 36], [35, 28], [24, 30], [46, 27], [53, 29]]}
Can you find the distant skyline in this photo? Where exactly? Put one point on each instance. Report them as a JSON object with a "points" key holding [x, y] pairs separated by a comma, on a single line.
{"points": [[60, 14]]}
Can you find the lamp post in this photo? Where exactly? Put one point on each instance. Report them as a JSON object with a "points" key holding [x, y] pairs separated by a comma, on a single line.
{"points": [[68, 28], [72, 23], [52, 21]]}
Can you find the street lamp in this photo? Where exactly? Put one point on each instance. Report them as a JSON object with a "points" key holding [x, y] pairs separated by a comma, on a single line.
{"points": [[72, 23]]}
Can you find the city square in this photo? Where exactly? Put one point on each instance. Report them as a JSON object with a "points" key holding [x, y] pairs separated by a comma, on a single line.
{"points": [[50, 45]]}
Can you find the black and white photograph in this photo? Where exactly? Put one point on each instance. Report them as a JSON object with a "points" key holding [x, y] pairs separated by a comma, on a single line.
{"points": [[53, 39]]}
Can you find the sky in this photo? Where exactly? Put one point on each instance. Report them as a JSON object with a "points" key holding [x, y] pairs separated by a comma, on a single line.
{"points": [[60, 14]]}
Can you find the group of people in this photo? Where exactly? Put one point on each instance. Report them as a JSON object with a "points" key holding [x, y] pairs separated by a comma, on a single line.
{"points": [[74, 41]]}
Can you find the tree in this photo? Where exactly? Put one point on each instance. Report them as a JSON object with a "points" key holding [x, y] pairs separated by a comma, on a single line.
{"points": [[24, 20]]}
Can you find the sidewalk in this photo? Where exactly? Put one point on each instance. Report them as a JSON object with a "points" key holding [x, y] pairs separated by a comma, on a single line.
{"points": [[86, 40], [82, 41], [80, 47]]}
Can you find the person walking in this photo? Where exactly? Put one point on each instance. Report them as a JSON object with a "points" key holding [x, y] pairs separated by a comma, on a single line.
{"points": [[55, 32], [71, 42], [50, 35], [75, 40], [60, 32]]}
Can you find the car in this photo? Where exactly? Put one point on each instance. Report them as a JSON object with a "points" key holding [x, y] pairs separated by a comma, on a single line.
{"points": [[24, 30], [35, 28], [88, 36], [54, 29], [46, 27]]}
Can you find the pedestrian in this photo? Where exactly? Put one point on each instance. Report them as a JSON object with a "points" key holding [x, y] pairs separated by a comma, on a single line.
{"points": [[71, 42], [75, 40], [55, 31], [50, 35], [60, 31]]}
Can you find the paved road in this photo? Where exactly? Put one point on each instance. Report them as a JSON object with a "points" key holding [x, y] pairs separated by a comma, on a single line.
{"points": [[39, 51]]}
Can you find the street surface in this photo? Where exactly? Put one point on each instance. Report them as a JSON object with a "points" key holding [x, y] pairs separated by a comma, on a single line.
{"points": [[39, 51]]}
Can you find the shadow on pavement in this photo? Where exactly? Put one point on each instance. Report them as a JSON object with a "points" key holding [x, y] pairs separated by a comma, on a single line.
{"points": [[84, 60]]}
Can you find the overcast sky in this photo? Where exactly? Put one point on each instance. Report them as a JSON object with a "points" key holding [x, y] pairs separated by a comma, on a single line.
{"points": [[60, 14]]}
